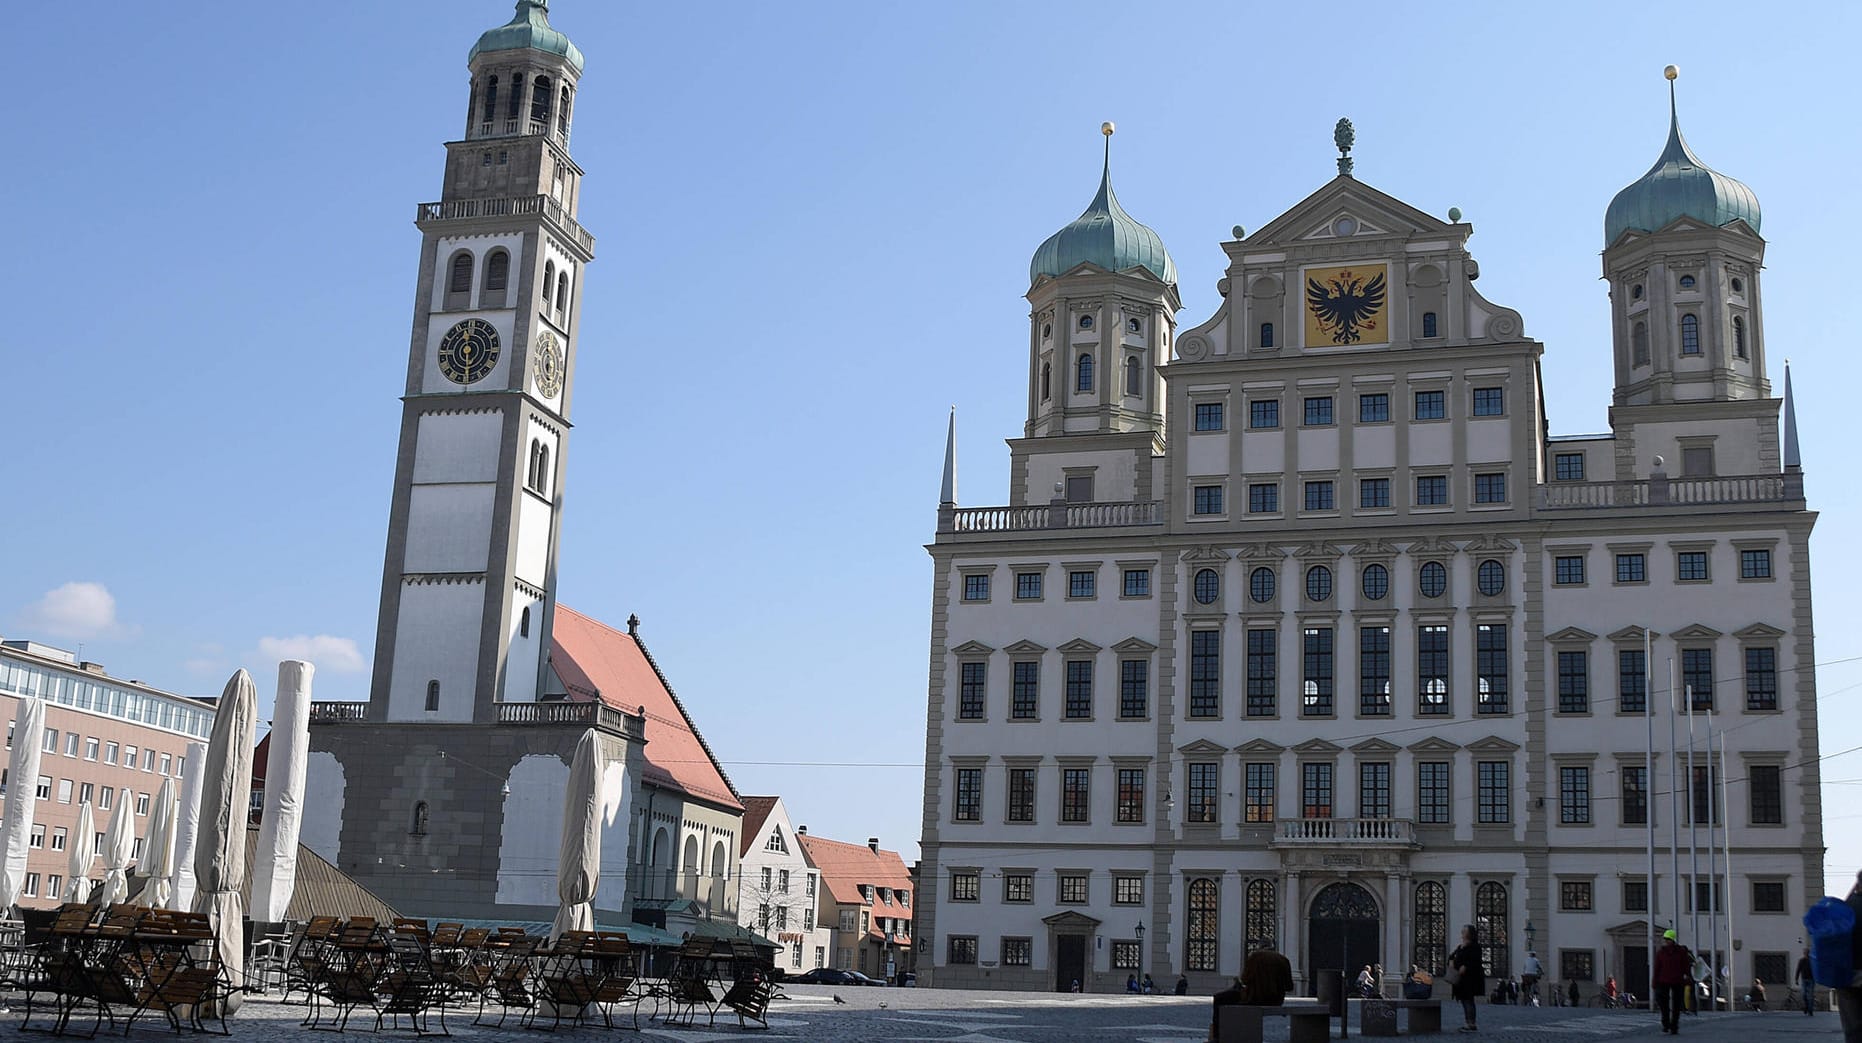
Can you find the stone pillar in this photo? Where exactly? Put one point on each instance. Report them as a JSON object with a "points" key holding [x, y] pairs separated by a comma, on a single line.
{"points": [[1291, 944], [1394, 927]]}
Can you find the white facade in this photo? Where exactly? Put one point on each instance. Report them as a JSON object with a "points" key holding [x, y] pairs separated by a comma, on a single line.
{"points": [[778, 892]]}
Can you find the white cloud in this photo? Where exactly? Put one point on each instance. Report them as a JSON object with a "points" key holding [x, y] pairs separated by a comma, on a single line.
{"points": [[76, 610], [337, 654]]}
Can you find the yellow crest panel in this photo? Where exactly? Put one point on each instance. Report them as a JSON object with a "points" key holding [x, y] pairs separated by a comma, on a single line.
{"points": [[1347, 305]]}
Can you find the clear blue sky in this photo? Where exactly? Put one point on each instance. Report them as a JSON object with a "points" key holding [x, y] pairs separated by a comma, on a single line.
{"points": [[815, 222]]}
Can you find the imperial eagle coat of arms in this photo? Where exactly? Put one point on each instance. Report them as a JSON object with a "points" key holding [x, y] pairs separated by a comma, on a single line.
{"points": [[1344, 304]]}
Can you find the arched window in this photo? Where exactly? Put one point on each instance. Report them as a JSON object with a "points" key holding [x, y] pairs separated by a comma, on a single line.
{"points": [[1267, 334], [1086, 322], [1376, 582], [1085, 381], [1491, 577], [1201, 933], [460, 281], [1639, 344], [1261, 585], [540, 101], [1429, 944], [497, 271], [1428, 324], [562, 295], [1739, 337], [530, 474], [543, 471], [491, 98], [1262, 929], [1318, 583], [1690, 334], [433, 695], [562, 114], [1134, 376], [1433, 579], [1208, 585], [549, 280], [523, 624], [1635, 292], [1047, 381], [419, 827], [1687, 282], [517, 98], [1490, 919]]}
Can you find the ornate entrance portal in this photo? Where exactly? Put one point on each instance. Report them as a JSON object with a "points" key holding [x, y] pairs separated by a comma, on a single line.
{"points": [[1342, 932]]}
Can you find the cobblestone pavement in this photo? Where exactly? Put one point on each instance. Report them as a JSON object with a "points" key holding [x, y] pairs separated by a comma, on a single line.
{"points": [[884, 1015]]}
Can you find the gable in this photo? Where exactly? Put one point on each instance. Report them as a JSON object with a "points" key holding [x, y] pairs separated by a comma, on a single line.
{"points": [[1376, 213]]}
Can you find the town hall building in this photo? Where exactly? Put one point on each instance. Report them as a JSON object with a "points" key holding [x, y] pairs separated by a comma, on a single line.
{"points": [[1299, 628]]}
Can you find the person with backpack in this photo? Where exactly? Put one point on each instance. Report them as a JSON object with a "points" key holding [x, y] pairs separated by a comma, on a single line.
{"points": [[1674, 974]]}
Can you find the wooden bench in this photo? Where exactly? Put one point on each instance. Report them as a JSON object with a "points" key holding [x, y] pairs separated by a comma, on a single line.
{"points": [[749, 999], [1378, 1017], [1308, 1021]]}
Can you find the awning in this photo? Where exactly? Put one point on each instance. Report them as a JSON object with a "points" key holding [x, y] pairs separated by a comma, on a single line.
{"points": [[731, 932], [637, 933]]}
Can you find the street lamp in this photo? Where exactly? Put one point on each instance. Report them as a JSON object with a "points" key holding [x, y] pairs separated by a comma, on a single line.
{"points": [[1530, 931]]}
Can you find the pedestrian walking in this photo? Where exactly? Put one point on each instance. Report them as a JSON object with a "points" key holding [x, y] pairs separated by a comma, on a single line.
{"points": [[1466, 976], [1673, 976], [1806, 984]]}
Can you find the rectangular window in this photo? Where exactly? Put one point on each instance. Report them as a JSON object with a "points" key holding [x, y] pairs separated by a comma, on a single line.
{"points": [[1205, 673], [969, 806], [1494, 792], [1263, 673], [1128, 890], [1490, 488], [1697, 676], [1374, 671], [167, 762], [1319, 411], [1635, 896], [1632, 681], [43, 791], [59, 836], [1373, 492], [1691, 566], [109, 753], [1079, 704], [1489, 401], [1204, 780], [1264, 414], [1018, 887], [962, 950], [1768, 896], [1208, 499], [1431, 490], [1263, 498], [1766, 789], [1577, 964], [1761, 679], [965, 886], [1432, 802], [1021, 795], [1632, 568], [1208, 416], [1574, 682], [31, 887], [1137, 583], [1258, 794], [1028, 586], [1431, 405], [90, 749], [1130, 806], [49, 744], [64, 791], [1126, 955], [1568, 569], [1432, 670], [1025, 692], [1568, 467], [1072, 889], [1707, 897], [1017, 952], [1574, 796], [1574, 896], [1635, 800], [976, 588], [1076, 786], [1373, 409], [1490, 667], [970, 692], [1755, 564], [1134, 689], [1316, 690], [1373, 789], [103, 799], [1319, 497], [36, 839], [1082, 583], [1315, 791]]}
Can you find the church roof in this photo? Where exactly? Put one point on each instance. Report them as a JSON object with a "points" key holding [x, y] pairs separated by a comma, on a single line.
{"points": [[528, 28], [844, 867], [596, 661], [1106, 236], [1679, 185]]}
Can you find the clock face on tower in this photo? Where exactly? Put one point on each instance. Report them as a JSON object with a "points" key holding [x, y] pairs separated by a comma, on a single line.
{"points": [[549, 364], [468, 351]]}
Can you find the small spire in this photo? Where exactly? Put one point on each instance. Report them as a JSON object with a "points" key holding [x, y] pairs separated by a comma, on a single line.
{"points": [[633, 625], [947, 496], [1344, 137], [1793, 458]]}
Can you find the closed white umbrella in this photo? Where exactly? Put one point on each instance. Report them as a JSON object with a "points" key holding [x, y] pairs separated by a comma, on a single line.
{"points": [[23, 782], [187, 823], [274, 867], [578, 870], [158, 851], [79, 847], [220, 849], [119, 846]]}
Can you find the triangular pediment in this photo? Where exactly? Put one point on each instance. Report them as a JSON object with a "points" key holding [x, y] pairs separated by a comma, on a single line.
{"points": [[1344, 195], [1362, 223], [972, 648], [1759, 631], [1493, 744], [1025, 647], [1070, 921], [1259, 746], [1375, 746], [1317, 746], [1571, 634], [1433, 744], [1629, 634], [1134, 644], [1695, 632], [1205, 554], [1079, 644], [1202, 746]]}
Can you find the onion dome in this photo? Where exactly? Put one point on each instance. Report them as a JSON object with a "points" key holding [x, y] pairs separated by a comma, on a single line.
{"points": [[1105, 235], [528, 28], [1679, 185]]}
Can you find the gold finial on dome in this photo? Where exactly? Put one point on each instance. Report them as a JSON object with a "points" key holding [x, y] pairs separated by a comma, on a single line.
{"points": [[1107, 128], [1672, 71]]}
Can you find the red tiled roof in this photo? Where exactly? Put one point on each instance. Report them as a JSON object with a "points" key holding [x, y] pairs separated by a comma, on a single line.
{"points": [[844, 867], [596, 661], [756, 812]]}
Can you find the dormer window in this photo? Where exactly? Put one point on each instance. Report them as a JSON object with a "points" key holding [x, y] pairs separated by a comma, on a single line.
{"points": [[1086, 322], [866, 893], [1687, 282]]}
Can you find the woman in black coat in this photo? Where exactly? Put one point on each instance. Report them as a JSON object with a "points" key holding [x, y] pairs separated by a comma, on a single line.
{"points": [[1466, 962]]}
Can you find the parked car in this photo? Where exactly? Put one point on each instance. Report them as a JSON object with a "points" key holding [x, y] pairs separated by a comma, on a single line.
{"points": [[826, 976], [861, 979], [908, 980]]}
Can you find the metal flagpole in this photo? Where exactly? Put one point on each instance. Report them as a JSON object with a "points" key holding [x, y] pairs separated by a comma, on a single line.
{"points": [[1648, 807], [1726, 842], [1693, 833], [1716, 899], [1674, 819]]}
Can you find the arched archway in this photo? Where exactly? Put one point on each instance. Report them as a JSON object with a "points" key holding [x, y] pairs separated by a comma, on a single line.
{"points": [[716, 894], [1343, 931], [688, 869]]}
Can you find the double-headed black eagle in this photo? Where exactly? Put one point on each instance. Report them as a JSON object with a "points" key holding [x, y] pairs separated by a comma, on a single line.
{"points": [[1345, 304]]}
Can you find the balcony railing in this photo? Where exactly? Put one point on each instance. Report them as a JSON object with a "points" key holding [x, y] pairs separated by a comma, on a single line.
{"points": [[1352, 832], [1663, 491], [335, 713], [513, 127], [583, 714], [1052, 516], [506, 206]]}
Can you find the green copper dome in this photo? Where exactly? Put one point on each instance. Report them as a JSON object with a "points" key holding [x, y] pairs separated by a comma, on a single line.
{"points": [[1679, 185], [1107, 236], [528, 28]]}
